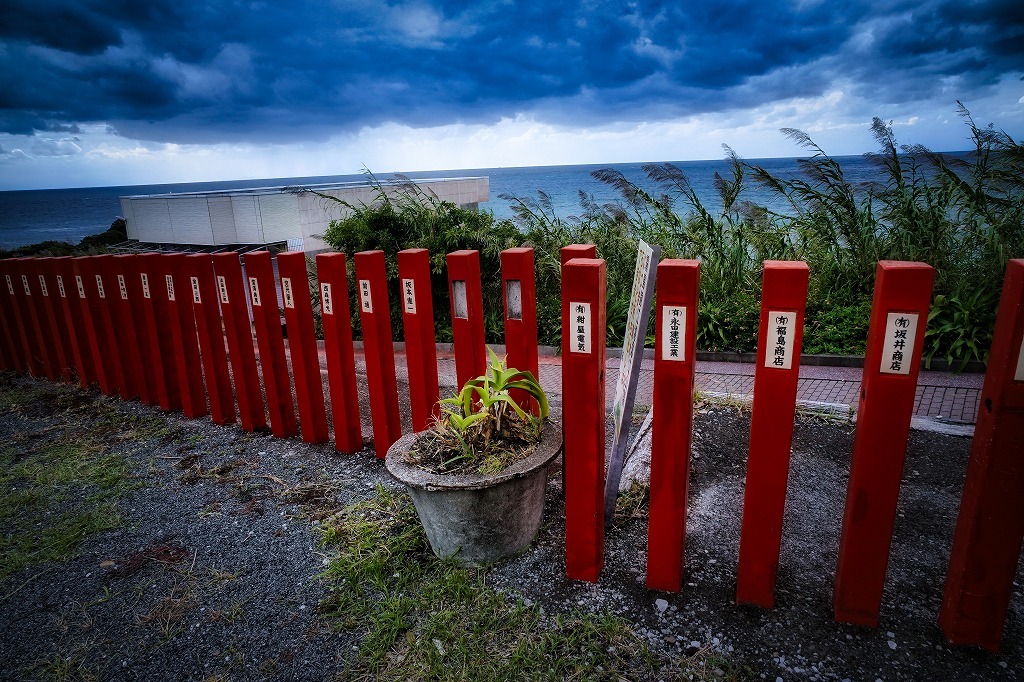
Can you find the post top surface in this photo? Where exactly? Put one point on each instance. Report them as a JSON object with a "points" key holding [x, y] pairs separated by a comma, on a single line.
{"points": [[585, 262], [679, 263], [786, 265], [903, 265]]}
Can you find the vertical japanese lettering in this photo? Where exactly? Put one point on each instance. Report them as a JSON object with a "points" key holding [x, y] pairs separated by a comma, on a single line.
{"points": [[42, 286], [196, 296], [364, 296], [123, 287], [579, 323], [81, 286], [409, 296], [326, 302], [145, 285], [99, 287], [60, 287], [286, 287], [898, 347], [673, 333], [222, 286], [254, 287], [779, 340], [170, 287]]}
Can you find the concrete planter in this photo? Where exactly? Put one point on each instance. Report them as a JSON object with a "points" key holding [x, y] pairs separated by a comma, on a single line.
{"points": [[479, 518]]}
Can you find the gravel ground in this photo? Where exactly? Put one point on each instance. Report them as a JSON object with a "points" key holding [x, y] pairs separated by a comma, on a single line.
{"points": [[213, 574]]}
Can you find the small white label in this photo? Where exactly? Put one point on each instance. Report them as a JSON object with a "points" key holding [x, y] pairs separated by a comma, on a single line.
{"points": [[364, 296], [10, 285], [81, 286], [286, 288], [898, 347], [460, 306], [196, 297], [579, 323], [779, 342], [42, 286], [99, 286], [514, 299], [409, 296], [673, 333], [24, 281], [123, 287], [60, 287], [326, 303], [145, 285], [254, 287], [222, 286], [170, 287], [1019, 374]]}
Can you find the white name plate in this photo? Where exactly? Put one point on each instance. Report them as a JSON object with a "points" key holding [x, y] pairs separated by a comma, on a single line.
{"points": [[673, 333], [898, 347], [781, 328], [579, 323]]}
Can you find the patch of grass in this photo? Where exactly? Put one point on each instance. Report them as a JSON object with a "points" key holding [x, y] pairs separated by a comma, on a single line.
{"points": [[421, 617]]}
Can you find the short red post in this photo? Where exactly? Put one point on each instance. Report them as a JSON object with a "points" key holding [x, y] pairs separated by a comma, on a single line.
{"points": [[130, 326], [39, 364], [203, 294], [11, 336], [341, 369], [93, 323], [783, 301], [238, 332], [183, 335], [67, 291], [107, 312], [49, 330], [379, 350], [519, 291], [266, 318], [152, 278], [990, 528], [420, 344], [899, 315], [583, 417], [467, 304], [129, 283], [298, 316], [55, 314], [675, 348]]}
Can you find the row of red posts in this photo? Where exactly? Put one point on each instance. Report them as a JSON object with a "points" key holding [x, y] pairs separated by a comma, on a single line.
{"points": [[990, 529], [166, 328]]}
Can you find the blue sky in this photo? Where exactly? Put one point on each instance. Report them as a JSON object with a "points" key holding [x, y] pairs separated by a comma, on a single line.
{"points": [[101, 92]]}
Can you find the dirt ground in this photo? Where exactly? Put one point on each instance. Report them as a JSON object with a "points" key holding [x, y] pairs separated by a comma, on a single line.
{"points": [[213, 573]]}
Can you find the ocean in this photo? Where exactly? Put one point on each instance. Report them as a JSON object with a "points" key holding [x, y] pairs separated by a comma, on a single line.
{"points": [[31, 216]]}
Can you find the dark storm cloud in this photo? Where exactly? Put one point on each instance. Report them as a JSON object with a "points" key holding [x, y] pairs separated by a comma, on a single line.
{"points": [[204, 72]]}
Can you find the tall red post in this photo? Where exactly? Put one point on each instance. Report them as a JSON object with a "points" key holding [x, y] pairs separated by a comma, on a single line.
{"points": [[105, 295], [238, 332], [567, 253], [783, 301], [298, 316], [899, 315], [675, 349], [70, 302], [266, 318], [990, 528], [38, 362], [130, 324], [92, 323], [183, 335], [375, 315], [209, 330], [11, 334], [519, 292], [128, 268], [152, 278], [55, 316], [583, 419], [467, 304], [420, 344], [341, 369], [49, 333]]}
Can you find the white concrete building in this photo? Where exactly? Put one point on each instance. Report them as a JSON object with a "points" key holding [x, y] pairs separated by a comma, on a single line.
{"points": [[269, 215]]}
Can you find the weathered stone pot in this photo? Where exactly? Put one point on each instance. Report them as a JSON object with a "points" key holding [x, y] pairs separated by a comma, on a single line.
{"points": [[479, 518]]}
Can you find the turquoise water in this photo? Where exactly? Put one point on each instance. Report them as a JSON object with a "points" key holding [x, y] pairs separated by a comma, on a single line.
{"points": [[30, 216]]}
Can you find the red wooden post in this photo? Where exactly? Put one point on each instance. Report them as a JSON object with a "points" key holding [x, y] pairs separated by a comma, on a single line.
{"points": [[298, 316], [583, 417], [420, 344], [152, 276], [88, 292], [375, 315], [210, 332], [129, 269], [11, 336], [990, 528], [38, 365], [238, 332], [783, 301], [131, 325], [183, 335], [899, 315], [259, 274], [49, 333], [567, 253], [70, 302], [675, 349], [104, 292], [467, 305], [519, 291], [55, 316], [341, 369]]}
